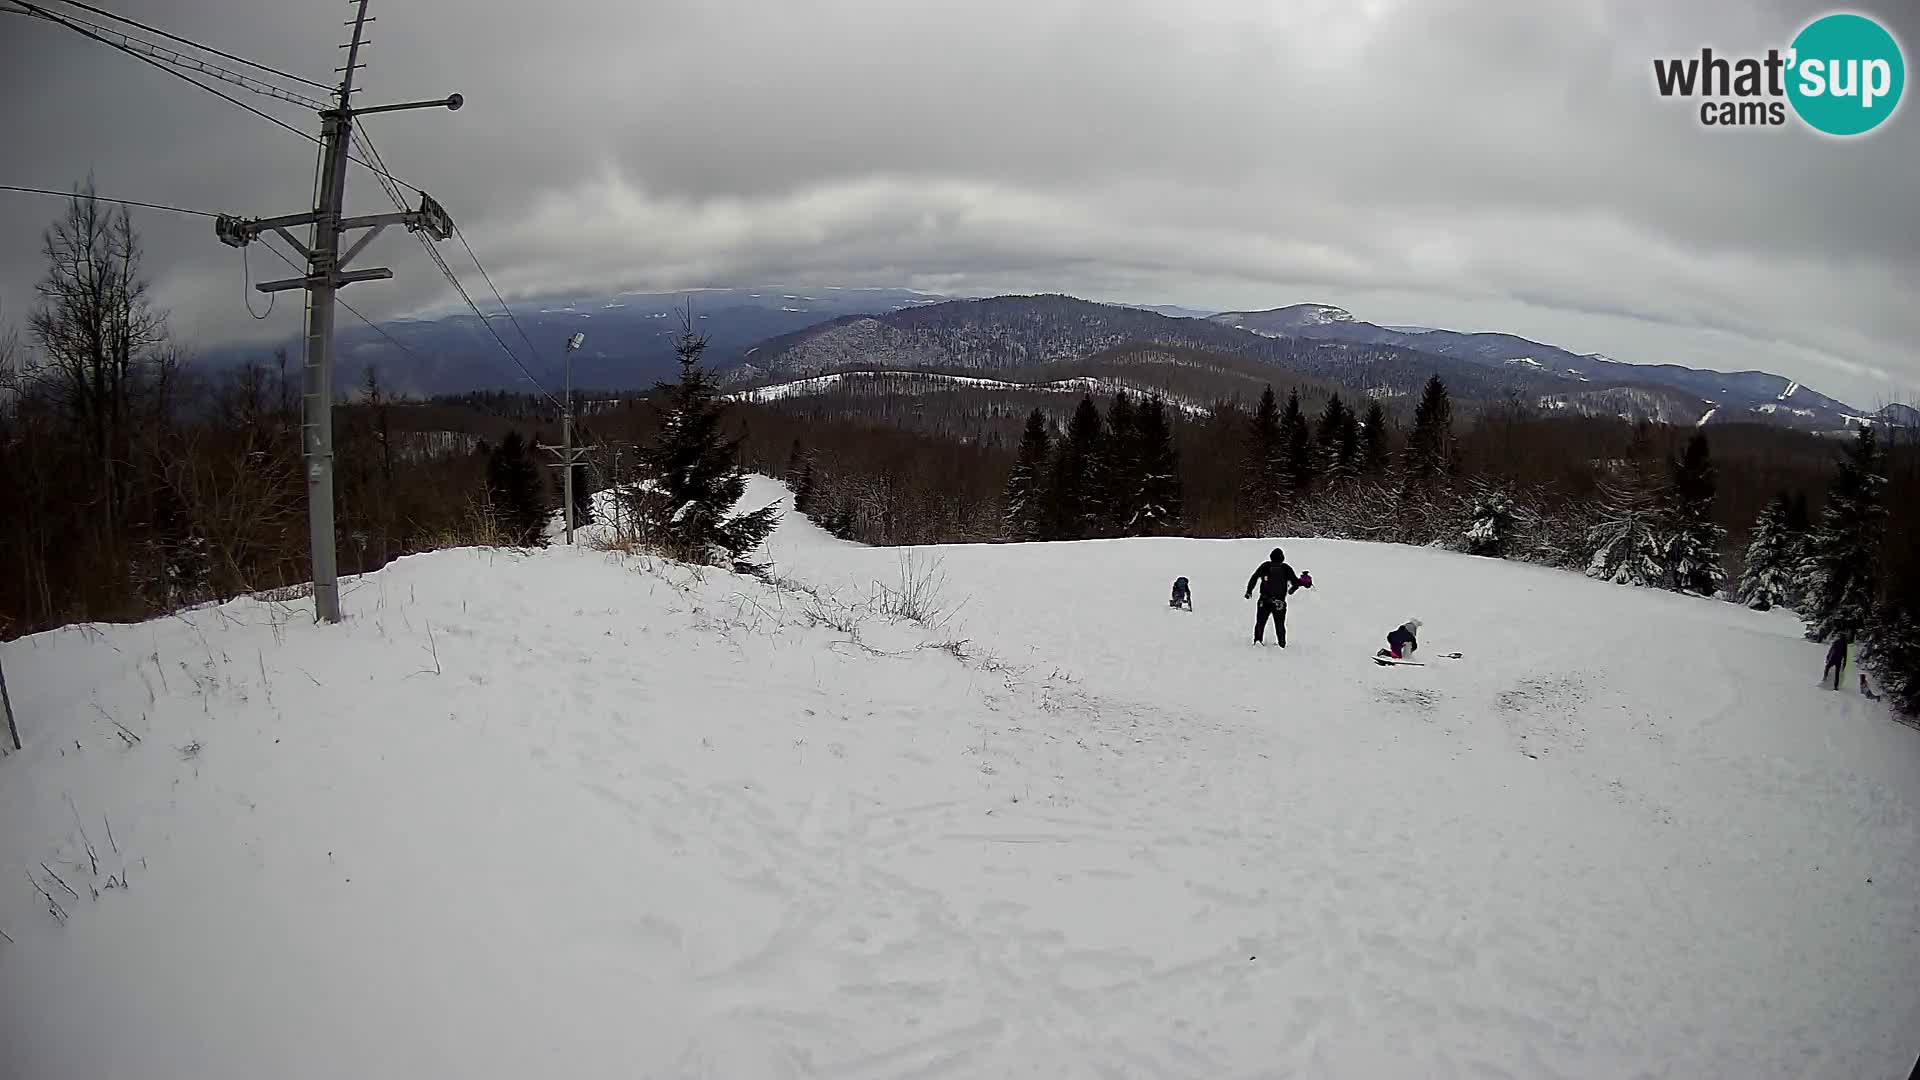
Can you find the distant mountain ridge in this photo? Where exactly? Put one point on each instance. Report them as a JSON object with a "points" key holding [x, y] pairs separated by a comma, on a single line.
{"points": [[1321, 340], [772, 333], [629, 337], [1751, 395]]}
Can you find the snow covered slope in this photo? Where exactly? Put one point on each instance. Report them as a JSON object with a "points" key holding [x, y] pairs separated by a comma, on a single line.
{"points": [[560, 814]]}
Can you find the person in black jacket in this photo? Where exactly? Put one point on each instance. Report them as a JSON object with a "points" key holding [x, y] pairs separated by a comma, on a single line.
{"points": [[1836, 661], [1277, 581]]}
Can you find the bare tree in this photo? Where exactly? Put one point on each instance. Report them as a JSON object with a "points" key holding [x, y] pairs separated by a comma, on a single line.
{"points": [[96, 331]]}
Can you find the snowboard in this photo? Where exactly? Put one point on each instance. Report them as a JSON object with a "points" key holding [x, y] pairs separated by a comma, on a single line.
{"points": [[1388, 661]]}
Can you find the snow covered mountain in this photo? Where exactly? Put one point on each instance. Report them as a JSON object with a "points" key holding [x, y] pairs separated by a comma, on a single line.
{"points": [[917, 383], [1280, 322], [1009, 332], [1743, 396], [576, 814], [1899, 415]]}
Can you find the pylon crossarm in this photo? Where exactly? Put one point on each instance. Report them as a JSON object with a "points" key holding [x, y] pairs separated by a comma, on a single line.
{"points": [[313, 281], [294, 243], [378, 228], [380, 221]]}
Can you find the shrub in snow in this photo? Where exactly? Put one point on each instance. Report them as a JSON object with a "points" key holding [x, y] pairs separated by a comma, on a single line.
{"points": [[177, 562], [919, 595]]}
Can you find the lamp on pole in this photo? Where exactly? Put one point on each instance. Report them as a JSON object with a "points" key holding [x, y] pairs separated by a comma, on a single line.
{"points": [[569, 457]]}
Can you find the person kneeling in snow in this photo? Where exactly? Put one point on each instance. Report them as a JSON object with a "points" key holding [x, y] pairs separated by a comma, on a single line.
{"points": [[1402, 642], [1182, 595]]}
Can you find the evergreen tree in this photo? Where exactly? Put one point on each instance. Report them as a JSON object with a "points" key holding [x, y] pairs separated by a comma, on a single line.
{"points": [[1262, 482], [1692, 538], [693, 473], [1121, 478], [1337, 438], [1296, 449], [1799, 521], [1026, 517], [1841, 571], [1892, 650], [804, 488], [1429, 453], [796, 461], [1493, 522], [1157, 500], [180, 568], [1076, 485], [840, 520], [513, 486], [1374, 452], [1772, 560], [1800, 529], [1628, 541]]}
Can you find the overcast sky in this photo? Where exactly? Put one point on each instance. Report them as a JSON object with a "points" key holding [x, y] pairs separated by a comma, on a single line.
{"points": [[1490, 165]]}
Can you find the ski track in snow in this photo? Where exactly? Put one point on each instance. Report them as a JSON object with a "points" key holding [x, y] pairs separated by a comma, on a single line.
{"points": [[614, 818]]}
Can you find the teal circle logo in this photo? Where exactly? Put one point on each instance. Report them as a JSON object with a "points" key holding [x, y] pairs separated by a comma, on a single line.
{"points": [[1846, 74]]}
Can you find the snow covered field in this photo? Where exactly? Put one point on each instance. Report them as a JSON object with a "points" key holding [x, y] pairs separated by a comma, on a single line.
{"points": [[566, 814]]}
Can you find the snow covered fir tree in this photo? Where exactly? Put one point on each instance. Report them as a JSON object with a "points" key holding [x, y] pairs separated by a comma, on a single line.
{"points": [[1693, 540], [691, 473], [1026, 513], [1841, 570], [1771, 569], [1105, 476], [1892, 648], [1628, 540], [1494, 522], [1153, 504]]}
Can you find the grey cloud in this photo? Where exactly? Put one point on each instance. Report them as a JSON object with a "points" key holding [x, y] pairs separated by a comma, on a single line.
{"points": [[1505, 159]]}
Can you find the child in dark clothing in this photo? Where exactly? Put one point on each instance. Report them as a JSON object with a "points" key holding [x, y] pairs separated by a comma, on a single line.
{"points": [[1402, 642], [1182, 595]]}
